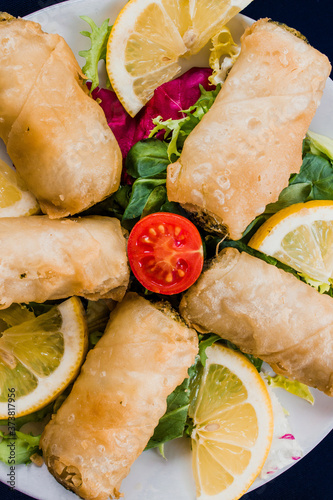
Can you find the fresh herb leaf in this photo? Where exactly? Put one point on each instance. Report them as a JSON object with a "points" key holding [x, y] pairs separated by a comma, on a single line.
{"points": [[204, 103], [97, 52], [321, 286], [141, 190], [94, 337], [173, 128], [174, 208], [320, 145], [223, 55], [147, 158], [172, 424], [314, 182], [155, 201], [204, 343], [161, 450], [37, 416]]}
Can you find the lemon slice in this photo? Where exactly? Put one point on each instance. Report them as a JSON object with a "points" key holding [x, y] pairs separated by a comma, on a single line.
{"points": [[40, 357], [302, 237], [15, 200], [149, 36], [233, 425]]}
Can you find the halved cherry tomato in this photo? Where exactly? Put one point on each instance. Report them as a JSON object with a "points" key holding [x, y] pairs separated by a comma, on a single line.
{"points": [[165, 253]]}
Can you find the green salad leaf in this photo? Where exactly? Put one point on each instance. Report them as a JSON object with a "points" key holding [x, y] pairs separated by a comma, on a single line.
{"points": [[172, 424], [175, 423], [141, 192], [97, 52], [313, 182], [147, 158], [18, 448], [292, 386], [176, 131], [206, 341], [320, 144], [155, 201], [172, 128]]}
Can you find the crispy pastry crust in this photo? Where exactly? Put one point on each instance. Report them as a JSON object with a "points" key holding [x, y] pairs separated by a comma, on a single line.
{"points": [[240, 156], [56, 134], [118, 399], [267, 312], [43, 259]]}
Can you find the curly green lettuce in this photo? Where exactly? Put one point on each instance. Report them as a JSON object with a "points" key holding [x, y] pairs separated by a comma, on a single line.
{"points": [[292, 386], [97, 52]]}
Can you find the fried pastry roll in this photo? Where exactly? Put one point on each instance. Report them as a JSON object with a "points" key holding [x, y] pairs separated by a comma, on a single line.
{"points": [[43, 259], [240, 156], [118, 399], [56, 135], [266, 312]]}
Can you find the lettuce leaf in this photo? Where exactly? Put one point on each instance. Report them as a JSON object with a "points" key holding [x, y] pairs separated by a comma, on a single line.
{"points": [[206, 341], [320, 144], [97, 51], [18, 448], [314, 182], [172, 424], [141, 192], [147, 158], [177, 130], [319, 285], [292, 386], [175, 423]]}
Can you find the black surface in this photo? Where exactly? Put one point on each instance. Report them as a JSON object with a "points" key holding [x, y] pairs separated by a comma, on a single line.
{"points": [[311, 478]]}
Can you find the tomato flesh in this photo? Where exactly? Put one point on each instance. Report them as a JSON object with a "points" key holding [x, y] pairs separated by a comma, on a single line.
{"points": [[165, 253]]}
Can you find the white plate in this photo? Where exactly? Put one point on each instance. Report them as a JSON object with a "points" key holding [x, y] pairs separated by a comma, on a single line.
{"points": [[151, 477]]}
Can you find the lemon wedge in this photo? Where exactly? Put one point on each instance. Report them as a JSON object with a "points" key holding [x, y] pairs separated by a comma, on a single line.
{"points": [[233, 425], [15, 200], [302, 237], [149, 36], [40, 357]]}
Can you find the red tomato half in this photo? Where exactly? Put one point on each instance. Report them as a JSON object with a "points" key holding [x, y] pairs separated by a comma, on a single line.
{"points": [[165, 253]]}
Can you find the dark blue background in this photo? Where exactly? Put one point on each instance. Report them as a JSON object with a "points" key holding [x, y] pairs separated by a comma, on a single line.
{"points": [[312, 477]]}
